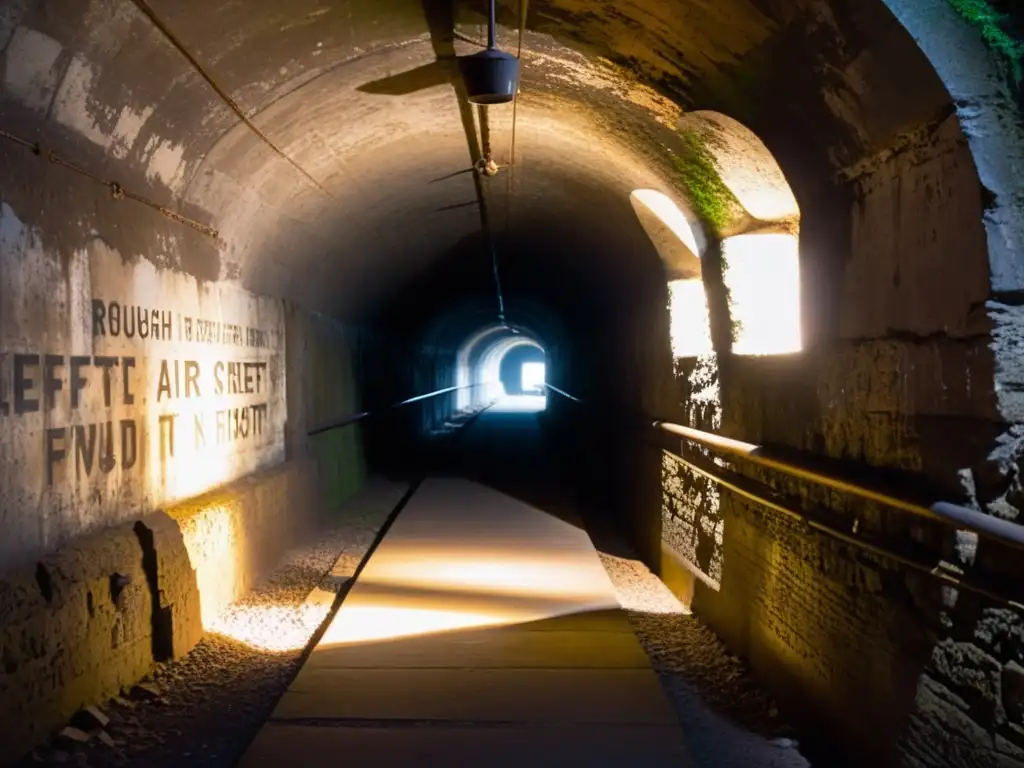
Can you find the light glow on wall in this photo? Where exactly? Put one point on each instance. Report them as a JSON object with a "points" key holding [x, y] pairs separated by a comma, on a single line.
{"points": [[762, 273], [688, 313], [666, 210], [465, 397]]}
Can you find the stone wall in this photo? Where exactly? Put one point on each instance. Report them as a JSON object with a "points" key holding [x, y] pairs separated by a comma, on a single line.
{"points": [[94, 617], [878, 656], [235, 535], [125, 388], [906, 379], [129, 385]]}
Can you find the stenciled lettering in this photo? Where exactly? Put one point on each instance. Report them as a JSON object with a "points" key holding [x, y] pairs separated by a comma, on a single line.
{"points": [[131, 321], [124, 411], [95, 448]]}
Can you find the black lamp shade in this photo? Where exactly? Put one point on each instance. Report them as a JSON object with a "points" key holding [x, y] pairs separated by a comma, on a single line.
{"points": [[491, 76]]}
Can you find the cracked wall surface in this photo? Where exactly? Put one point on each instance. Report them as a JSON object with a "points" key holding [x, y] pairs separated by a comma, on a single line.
{"points": [[894, 125]]}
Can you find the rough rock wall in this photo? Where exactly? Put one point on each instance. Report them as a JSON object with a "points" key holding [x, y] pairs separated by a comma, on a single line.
{"points": [[92, 618], [909, 368], [885, 656], [898, 669], [80, 625]]}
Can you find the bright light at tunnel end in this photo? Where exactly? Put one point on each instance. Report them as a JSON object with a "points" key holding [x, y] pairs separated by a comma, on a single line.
{"points": [[533, 377]]}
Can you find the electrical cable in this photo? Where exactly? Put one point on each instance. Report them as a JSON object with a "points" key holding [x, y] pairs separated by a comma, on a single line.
{"points": [[116, 190], [485, 136], [523, 7], [178, 45]]}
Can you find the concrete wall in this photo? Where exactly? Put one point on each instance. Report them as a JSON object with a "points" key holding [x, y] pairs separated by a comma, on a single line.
{"points": [[124, 387], [92, 618], [235, 535], [153, 418], [128, 387], [324, 368]]}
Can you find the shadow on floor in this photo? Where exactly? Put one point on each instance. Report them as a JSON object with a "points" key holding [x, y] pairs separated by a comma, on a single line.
{"points": [[505, 449]]}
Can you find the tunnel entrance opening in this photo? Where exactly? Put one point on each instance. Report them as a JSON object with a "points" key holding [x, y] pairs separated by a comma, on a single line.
{"points": [[502, 369], [521, 371], [532, 377], [497, 366]]}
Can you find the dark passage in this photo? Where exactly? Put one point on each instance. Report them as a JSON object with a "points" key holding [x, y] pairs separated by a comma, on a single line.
{"points": [[505, 449], [270, 276]]}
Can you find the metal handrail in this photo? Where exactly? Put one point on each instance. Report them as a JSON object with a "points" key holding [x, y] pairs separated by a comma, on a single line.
{"points": [[953, 514], [353, 418], [995, 528], [942, 571], [563, 393]]}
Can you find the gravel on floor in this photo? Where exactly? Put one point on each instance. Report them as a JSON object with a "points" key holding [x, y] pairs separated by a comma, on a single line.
{"points": [[728, 720], [204, 709]]}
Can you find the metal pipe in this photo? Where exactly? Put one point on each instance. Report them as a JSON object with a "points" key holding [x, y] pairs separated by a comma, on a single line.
{"points": [[982, 524], [491, 38], [990, 527], [352, 418], [1001, 530], [563, 393]]}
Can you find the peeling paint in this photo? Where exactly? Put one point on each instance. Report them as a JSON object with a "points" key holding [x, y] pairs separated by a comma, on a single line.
{"points": [[108, 22], [10, 229], [30, 67], [577, 69], [72, 107], [127, 130], [163, 162]]}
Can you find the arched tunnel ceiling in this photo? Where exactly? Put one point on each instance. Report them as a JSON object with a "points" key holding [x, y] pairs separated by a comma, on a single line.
{"points": [[328, 82], [395, 167]]}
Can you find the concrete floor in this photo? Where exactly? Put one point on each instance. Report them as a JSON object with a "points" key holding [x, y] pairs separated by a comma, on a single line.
{"points": [[483, 631]]}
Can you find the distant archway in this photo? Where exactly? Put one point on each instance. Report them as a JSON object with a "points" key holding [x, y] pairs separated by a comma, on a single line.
{"points": [[478, 363]]}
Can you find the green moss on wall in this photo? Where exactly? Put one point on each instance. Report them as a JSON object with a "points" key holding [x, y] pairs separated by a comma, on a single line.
{"points": [[332, 393], [341, 463], [711, 199], [987, 19]]}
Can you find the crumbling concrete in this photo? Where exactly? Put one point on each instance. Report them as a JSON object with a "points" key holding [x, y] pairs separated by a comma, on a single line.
{"points": [[236, 534], [93, 618], [893, 124], [77, 627]]}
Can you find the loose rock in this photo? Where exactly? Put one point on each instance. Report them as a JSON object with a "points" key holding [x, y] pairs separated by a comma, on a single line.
{"points": [[90, 718], [727, 719], [146, 692], [207, 707], [73, 735], [106, 738]]}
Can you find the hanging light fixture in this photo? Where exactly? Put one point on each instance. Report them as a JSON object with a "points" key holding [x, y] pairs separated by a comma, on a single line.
{"points": [[491, 76]]}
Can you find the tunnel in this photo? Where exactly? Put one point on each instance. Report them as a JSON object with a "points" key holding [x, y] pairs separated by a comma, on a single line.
{"points": [[726, 301]]}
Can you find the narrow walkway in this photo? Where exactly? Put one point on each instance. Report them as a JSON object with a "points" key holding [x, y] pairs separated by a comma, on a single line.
{"points": [[483, 631]]}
